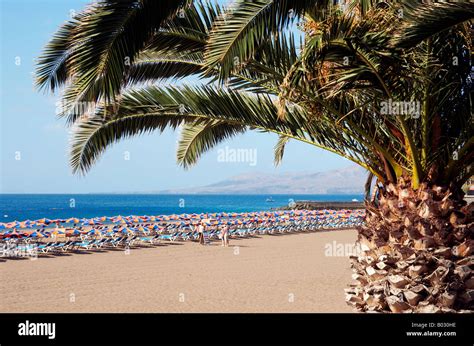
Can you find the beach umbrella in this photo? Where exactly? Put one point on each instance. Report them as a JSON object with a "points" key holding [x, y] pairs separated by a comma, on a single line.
{"points": [[46, 233], [26, 224], [73, 232], [24, 234], [36, 234], [58, 231], [94, 231], [91, 222], [12, 234], [118, 219], [126, 230]]}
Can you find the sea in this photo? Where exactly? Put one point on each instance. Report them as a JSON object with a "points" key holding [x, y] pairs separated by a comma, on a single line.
{"points": [[22, 207]]}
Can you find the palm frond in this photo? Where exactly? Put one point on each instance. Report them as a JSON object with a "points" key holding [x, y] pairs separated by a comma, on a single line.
{"points": [[239, 31], [330, 94], [368, 187], [228, 112], [93, 135], [188, 31], [105, 41], [265, 72], [199, 137], [154, 67], [424, 21], [52, 71], [280, 149]]}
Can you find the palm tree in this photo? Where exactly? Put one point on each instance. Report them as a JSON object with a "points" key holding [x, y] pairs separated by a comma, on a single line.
{"points": [[387, 86]]}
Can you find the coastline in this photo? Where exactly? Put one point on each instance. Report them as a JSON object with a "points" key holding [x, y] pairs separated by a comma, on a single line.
{"points": [[63, 206]]}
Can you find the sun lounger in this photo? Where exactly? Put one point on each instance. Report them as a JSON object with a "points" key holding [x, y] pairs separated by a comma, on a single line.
{"points": [[150, 239], [45, 247], [214, 234], [85, 244], [169, 237], [99, 243], [62, 246], [130, 240], [115, 242]]}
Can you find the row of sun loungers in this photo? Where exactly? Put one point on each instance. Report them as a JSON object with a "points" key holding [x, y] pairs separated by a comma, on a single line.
{"points": [[13, 247], [109, 238]]}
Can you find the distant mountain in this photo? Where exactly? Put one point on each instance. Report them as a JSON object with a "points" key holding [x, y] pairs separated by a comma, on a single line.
{"points": [[348, 180]]}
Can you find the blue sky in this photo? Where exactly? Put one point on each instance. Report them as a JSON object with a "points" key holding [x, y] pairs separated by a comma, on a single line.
{"points": [[34, 143]]}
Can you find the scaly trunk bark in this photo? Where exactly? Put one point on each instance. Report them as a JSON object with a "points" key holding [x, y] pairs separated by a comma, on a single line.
{"points": [[416, 252]]}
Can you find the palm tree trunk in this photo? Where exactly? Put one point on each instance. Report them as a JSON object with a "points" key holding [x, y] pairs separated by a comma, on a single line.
{"points": [[416, 252]]}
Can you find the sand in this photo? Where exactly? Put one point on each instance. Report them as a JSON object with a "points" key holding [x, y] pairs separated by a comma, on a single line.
{"points": [[280, 273]]}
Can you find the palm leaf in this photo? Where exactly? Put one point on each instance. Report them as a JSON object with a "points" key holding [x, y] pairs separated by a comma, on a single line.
{"points": [[188, 31], [155, 67], [52, 71], [105, 42], [239, 32], [422, 21], [280, 149], [153, 108], [92, 136], [199, 137]]}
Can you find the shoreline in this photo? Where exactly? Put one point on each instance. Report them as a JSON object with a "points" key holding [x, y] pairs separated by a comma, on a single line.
{"points": [[63, 206]]}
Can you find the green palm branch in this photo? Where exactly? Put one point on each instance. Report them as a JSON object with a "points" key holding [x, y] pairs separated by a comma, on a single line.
{"points": [[96, 48], [326, 90]]}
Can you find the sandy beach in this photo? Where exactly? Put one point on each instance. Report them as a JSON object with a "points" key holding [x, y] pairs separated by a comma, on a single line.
{"points": [[280, 273]]}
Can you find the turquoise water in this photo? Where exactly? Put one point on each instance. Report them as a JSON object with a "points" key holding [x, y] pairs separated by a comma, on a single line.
{"points": [[35, 206]]}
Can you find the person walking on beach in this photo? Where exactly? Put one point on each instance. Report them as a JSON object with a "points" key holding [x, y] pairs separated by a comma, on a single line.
{"points": [[201, 233], [225, 235]]}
